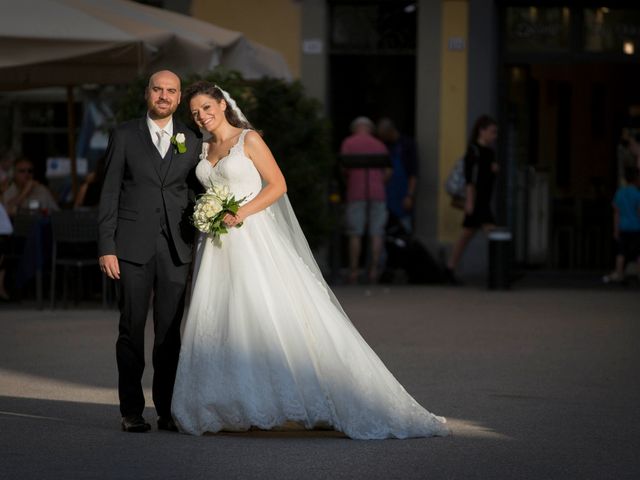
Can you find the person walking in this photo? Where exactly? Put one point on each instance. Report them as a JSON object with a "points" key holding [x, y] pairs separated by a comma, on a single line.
{"points": [[480, 171], [626, 225]]}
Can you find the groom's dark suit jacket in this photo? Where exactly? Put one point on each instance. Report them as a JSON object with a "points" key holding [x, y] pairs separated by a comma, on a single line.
{"points": [[144, 193]]}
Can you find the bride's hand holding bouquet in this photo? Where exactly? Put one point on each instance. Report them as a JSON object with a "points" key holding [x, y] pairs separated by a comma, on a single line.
{"points": [[216, 210]]}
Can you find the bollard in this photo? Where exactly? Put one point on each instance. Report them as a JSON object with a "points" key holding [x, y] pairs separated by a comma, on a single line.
{"points": [[500, 241]]}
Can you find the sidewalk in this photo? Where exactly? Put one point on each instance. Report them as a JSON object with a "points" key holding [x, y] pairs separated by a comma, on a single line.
{"points": [[535, 383]]}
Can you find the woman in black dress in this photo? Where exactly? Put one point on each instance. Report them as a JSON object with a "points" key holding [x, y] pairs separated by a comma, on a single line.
{"points": [[480, 170]]}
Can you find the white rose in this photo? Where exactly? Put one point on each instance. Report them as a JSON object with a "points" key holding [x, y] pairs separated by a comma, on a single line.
{"points": [[180, 138], [211, 210]]}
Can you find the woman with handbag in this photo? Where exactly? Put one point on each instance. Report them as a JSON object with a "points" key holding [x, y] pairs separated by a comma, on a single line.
{"points": [[480, 171]]}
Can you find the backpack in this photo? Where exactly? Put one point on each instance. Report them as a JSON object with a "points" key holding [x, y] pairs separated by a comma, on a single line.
{"points": [[456, 184]]}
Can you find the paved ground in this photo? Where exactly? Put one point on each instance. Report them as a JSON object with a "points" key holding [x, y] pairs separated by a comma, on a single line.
{"points": [[536, 383]]}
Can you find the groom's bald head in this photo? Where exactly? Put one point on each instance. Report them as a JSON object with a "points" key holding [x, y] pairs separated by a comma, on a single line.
{"points": [[163, 94], [164, 76]]}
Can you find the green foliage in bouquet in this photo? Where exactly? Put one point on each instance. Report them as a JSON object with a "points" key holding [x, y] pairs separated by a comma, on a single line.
{"points": [[293, 126], [211, 208]]}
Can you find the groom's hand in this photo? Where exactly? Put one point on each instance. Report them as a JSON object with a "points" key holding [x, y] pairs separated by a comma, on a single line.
{"points": [[109, 265]]}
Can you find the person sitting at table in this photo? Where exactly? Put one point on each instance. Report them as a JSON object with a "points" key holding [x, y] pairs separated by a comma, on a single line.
{"points": [[89, 193], [26, 192], [7, 157]]}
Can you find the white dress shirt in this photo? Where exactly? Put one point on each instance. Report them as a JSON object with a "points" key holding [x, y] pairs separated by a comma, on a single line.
{"points": [[161, 137]]}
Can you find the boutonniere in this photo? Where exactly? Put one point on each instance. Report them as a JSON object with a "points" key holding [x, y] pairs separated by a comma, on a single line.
{"points": [[179, 141]]}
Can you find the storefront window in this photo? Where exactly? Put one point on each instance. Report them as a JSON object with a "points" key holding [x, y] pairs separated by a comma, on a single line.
{"points": [[611, 30], [538, 29], [373, 27]]}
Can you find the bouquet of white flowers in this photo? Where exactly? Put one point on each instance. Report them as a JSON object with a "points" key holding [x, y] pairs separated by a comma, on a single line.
{"points": [[211, 207]]}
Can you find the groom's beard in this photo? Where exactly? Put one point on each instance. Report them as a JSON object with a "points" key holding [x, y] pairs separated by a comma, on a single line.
{"points": [[162, 113]]}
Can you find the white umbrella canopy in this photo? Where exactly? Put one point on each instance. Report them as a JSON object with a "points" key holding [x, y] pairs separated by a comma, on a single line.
{"points": [[75, 42], [71, 42]]}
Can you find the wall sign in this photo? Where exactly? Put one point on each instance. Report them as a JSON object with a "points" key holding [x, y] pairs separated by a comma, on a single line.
{"points": [[312, 46], [456, 44]]}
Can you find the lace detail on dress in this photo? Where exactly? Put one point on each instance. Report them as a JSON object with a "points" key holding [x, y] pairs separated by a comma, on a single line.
{"points": [[205, 151], [235, 170]]}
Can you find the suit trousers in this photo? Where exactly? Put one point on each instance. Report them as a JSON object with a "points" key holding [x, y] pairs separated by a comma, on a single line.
{"points": [[166, 277]]}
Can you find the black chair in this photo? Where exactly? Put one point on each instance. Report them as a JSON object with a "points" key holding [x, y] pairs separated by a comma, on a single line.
{"points": [[75, 238], [25, 224]]}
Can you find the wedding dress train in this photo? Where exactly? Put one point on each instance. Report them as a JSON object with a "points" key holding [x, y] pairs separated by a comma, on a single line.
{"points": [[265, 341]]}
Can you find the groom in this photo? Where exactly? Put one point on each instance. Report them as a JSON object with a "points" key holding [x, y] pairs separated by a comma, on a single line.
{"points": [[145, 243]]}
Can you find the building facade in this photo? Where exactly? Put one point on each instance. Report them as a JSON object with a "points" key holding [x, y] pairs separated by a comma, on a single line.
{"points": [[559, 76]]}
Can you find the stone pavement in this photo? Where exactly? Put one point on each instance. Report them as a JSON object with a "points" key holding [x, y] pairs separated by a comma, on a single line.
{"points": [[536, 383]]}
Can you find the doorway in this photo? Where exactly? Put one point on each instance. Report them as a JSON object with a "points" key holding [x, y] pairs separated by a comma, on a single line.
{"points": [[564, 126], [372, 63], [375, 86]]}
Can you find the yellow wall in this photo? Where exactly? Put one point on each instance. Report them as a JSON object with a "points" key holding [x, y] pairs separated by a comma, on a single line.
{"points": [[273, 23], [453, 110]]}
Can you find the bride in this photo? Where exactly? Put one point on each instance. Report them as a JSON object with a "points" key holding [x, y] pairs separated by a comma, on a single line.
{"points": [[265, 340]]}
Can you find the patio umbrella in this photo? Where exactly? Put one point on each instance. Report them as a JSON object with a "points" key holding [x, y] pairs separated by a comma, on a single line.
{"points": [[75, 42]]}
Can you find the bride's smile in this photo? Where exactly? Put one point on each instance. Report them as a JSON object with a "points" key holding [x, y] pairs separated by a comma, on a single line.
{"points": [[207, 112]]}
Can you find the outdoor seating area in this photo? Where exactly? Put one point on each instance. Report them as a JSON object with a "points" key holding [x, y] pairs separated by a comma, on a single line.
{"points": [[55, 255]]}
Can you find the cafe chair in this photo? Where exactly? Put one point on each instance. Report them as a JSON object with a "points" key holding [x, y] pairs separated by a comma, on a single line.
{"points": [[75, 240]]}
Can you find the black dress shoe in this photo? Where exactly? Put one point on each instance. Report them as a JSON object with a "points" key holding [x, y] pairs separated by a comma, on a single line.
{"points": [[167, 423], [135, 423]]}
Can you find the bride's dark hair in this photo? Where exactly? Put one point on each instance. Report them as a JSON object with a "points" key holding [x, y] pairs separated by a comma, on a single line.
{"points": [[203, 87]]}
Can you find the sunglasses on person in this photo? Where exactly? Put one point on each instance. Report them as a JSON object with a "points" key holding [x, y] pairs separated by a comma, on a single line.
{"points": [[24, 170]]}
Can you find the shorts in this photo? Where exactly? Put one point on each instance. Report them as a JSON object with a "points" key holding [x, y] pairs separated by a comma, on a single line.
{"points": [[629, 245], [356, 217]]}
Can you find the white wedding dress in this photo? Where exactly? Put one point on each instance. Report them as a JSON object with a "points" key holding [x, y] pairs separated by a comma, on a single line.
{"points": [[265, 342]]}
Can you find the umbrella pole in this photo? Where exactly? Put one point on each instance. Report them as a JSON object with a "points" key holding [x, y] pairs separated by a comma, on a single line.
{"points": [[71, 131]]}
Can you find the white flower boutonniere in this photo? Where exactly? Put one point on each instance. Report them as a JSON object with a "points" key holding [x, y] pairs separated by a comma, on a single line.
{"points": [[179, 141]]}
